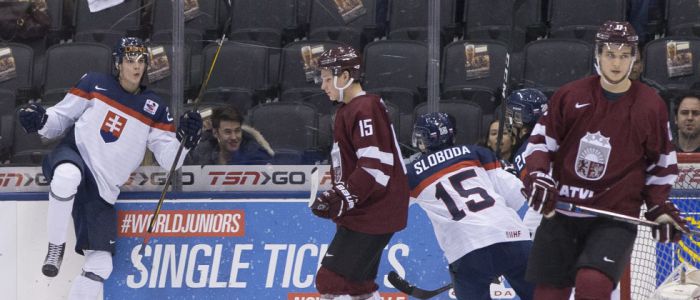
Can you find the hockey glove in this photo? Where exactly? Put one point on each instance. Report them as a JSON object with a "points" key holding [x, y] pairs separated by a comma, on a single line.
{"points": [[32, 117], [671, 224], [334, 203], [540, 190], [190, 129], [508, 167]]}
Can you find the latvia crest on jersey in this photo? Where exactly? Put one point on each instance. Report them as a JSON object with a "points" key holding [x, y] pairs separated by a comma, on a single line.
{"points": [[592, 157], [112, 127]]}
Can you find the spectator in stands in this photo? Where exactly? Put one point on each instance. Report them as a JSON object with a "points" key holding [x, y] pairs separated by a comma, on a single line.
{"points": [[507, 141], [230, 142], [688, 122]]}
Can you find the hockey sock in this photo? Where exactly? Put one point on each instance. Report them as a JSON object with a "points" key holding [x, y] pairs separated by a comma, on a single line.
{"points": [[84, 288], [548, 292], [64, 185], [329, 282], [592, 284], [89, 284]]}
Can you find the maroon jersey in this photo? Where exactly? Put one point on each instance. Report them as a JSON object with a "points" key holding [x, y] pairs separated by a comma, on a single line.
{"points": [[607, 154], [367, 158]]}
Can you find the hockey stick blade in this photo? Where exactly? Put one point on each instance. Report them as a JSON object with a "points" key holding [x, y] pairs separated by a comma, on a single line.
{"points": [[614, 216], [313, 179], [411, 290]]}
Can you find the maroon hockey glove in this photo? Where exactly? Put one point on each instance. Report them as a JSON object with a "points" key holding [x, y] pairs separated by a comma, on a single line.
{"points": [[540, 190], [671, 224], [334, 203]]}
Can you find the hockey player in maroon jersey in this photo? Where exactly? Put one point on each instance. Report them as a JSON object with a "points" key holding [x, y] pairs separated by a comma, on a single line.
{"points": [[369, 198], [603, 143]]}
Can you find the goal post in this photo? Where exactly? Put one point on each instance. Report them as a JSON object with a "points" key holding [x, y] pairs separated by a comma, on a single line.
{"points": [[652, 263]]}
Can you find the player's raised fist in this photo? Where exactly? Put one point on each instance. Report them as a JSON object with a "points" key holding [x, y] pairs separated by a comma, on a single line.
{"points": [[32, 117], [190, 129]]}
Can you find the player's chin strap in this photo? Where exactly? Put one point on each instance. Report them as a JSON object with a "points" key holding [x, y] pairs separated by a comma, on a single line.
{"points": [[597, 69], [341, 90]]}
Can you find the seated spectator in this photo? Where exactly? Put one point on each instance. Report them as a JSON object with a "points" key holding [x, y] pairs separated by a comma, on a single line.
{"points": [[507, 141], [230, 142], [688, 122]]}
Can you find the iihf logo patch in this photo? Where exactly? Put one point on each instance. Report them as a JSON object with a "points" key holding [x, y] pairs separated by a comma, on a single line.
{"points": [[150, 107], [112, 127]]}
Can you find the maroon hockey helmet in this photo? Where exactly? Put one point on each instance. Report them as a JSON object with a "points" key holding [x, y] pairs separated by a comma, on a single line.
{"points": [[339, 59], [616, 32]]}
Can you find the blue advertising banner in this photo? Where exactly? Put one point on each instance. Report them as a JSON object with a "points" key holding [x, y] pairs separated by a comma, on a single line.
{"points": [[251, 249]]}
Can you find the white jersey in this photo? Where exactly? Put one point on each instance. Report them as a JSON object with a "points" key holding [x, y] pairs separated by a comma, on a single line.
{"points": [[113, 128], [469, 199]]}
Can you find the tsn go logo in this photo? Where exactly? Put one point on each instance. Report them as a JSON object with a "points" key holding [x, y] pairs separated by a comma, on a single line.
{"points": [[256, 177]]}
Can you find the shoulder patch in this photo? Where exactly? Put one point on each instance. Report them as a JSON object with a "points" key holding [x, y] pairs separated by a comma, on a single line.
{"points": [[150, 107]]}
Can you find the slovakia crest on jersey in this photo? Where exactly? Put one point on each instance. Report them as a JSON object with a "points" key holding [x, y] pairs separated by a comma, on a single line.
{"points": [[112, 127], [150, 107], [592, 157]]}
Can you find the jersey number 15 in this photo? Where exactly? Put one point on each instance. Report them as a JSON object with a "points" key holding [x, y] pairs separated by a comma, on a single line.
{"points": [[473, 205]]}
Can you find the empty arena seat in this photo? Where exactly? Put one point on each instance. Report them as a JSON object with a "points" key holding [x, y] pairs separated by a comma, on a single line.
{"points": [[109, 25], [491, 19], [67, 63], [286, 125], [327, 23], [397, 70], [408, 19], [552, 63], [483, 89], [682, 18], [581, 19]]}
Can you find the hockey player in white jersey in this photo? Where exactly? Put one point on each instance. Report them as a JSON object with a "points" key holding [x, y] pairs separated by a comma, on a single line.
{"points": [[109, 121], [471, 202]]}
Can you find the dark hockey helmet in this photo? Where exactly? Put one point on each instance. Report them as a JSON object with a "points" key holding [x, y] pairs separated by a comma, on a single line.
{"points": [[616, 32], [131, 47], [339, 59], [433, 131], [525, 106]]}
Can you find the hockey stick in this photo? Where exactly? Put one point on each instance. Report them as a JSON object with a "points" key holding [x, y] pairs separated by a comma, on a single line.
{"points": [[314, 185], [168, 179], [413, 291], [614, 216], [506, 77]]}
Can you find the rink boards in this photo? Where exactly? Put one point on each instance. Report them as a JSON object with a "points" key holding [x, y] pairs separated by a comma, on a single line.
{"points": [[234, 232]]}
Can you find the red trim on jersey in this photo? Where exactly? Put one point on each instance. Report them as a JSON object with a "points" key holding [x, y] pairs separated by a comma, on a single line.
{"points": [[428, 181], [125, 109], [492, 165], [80, 93]]}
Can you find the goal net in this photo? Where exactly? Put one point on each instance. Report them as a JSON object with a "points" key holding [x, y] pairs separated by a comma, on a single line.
{"points": [[653, 263]]}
